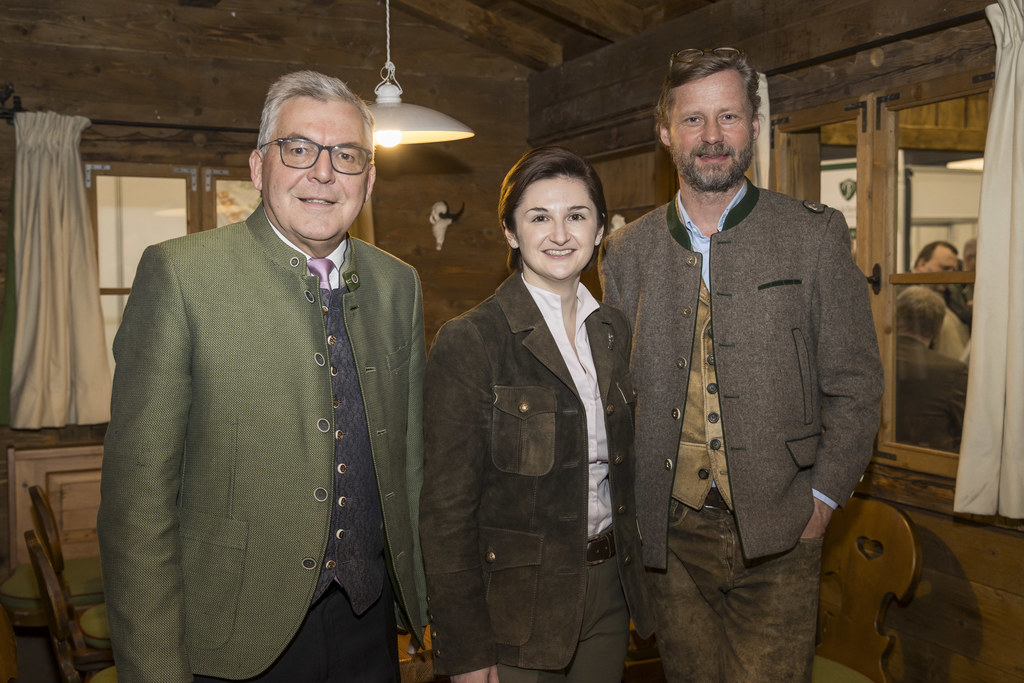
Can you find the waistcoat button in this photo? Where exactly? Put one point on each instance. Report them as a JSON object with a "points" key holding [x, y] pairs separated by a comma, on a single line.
{"points": [[703, 473], [320, 494], [715, 444]]}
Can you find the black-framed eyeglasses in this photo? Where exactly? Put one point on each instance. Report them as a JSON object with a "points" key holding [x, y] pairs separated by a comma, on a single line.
{"points": [[693, 53], [303, 153]]}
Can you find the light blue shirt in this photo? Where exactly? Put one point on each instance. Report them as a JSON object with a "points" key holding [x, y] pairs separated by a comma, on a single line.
{"points": [[698, 242], [702, 245]]}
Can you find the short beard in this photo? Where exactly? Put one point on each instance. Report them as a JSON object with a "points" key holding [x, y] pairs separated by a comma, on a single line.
{"points": [[714, 181]]}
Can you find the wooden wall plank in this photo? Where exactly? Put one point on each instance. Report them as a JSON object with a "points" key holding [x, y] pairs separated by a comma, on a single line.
{"points": [[619, 78]]}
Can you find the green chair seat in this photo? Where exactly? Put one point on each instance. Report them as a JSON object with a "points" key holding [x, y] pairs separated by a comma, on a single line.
{"points": [[85, 583], [828, 671], [94, 627], [108, 675]]}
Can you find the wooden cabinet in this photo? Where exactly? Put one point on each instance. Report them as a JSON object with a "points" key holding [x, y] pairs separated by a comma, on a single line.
{"points": [[70, 475]]}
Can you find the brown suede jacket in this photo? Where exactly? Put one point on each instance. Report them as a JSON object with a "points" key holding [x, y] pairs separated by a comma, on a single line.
{"points": [[503, 511]]}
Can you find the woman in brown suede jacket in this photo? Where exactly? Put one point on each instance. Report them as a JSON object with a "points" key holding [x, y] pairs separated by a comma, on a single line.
{"points": [[527, 517]]}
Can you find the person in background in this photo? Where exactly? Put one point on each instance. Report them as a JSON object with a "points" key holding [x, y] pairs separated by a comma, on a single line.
{"points": [[954, 338], [263, 461], [758, 379], [931, 389], [527, 518]]}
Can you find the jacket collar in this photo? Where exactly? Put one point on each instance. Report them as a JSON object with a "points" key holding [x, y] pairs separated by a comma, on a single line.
{"points": [[735, 217], [524, 317], [286, 257]]}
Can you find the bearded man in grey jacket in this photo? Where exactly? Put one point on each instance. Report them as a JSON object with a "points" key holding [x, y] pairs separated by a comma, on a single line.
{"points": [[758, 379]]}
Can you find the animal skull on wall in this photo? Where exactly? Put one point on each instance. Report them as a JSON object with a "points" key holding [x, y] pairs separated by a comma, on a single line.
{"points": [[440, 218]]}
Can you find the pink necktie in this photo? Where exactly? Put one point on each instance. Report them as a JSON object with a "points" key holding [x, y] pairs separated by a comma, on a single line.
{"points": [[321, 267]]}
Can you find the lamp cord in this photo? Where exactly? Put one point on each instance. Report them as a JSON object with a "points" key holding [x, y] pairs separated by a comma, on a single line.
{"points": [[387, 73]]}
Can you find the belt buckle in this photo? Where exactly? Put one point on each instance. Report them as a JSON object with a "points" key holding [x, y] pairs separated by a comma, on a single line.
{"points": [[600, 548]]}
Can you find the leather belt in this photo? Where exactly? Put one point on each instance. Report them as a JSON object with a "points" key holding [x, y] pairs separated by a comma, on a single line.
{"points": [[714, 500], [600, 548]]}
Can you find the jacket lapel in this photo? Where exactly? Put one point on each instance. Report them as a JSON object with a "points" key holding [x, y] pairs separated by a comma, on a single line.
{"points": [[524, 317], [602, 347]]}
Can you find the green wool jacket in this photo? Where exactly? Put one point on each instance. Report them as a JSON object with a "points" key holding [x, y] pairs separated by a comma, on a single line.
{"points": [[796, 357], [222, 428]]}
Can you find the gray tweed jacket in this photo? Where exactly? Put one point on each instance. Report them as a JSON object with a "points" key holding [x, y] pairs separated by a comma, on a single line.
{"points": [[796, 357]]}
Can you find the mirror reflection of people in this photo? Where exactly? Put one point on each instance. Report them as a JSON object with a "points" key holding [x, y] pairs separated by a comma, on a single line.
{"points": [[955, 335], [757, 367], [931, 389], [527, 517]]}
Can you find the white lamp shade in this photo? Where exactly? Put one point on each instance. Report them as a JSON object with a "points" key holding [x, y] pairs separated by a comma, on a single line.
{"points": [[404, 123]]}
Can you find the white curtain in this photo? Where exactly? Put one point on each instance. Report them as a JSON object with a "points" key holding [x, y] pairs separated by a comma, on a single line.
{"points": [[990, 479], [59, 374], [760, 165]]}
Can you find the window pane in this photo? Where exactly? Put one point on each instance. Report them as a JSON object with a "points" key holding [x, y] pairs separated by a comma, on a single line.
{"points": [[236, 199], [133, 213], [931, 381]]}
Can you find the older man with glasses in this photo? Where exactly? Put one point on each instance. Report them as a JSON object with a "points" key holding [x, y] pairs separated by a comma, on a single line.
{"points": [[758, 380], [263, 462]]}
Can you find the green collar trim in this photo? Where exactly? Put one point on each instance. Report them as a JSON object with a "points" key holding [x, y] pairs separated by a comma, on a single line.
{"points": [[675, 225], [743, 209], [735, 217]]}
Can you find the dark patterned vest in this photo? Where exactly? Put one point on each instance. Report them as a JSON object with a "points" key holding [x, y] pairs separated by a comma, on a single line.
{"points": [[355, 549]]}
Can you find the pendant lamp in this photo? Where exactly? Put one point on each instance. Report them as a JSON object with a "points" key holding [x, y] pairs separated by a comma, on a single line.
{"points": [[397, 122]]}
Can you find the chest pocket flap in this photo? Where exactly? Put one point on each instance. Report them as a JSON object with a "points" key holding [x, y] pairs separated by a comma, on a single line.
{"points": [[523, 430]]}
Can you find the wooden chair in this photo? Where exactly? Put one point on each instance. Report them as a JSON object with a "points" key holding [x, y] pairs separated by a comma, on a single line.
{"points": [[70, 650], [8, 650], [871, 554], [20, 593]]}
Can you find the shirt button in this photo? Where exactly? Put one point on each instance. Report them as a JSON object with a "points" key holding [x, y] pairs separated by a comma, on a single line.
{"points": [[681, 363], [627, 560], [609, 409], [675, 413], [712, 417], [308, 563], [324, 309], [342, 468], [621, 510], [668, 464], [320, 494], [342, 501], [712, 388], [617, 460], [716, 444], [330, 564], [687, 311], [524, 407], [691, 260], [703, 473], [711, 359], [490, 557], [339, 434]]}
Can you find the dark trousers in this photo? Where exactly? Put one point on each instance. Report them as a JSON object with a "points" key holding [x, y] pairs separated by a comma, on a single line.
{"points": [[724, 618], [333, 645], [604, 635]]}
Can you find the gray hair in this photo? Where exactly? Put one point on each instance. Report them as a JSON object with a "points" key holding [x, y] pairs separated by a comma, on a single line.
{"points": [[920, 312], [308, 84]]}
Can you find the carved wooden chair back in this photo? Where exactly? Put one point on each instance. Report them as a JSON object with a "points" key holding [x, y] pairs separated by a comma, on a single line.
{"points": [[871, 554]]}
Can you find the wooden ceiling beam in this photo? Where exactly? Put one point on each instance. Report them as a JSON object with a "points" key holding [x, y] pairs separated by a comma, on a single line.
{"points": [[488, 30], [610, 19]]}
